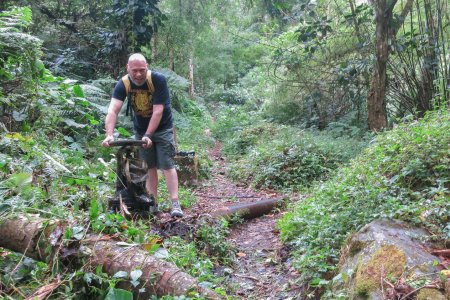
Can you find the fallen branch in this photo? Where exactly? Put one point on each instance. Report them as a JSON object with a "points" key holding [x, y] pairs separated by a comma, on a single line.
{"points": [[443, 252], [246, 276], [44, 291], [31, 235], [249, 210]]}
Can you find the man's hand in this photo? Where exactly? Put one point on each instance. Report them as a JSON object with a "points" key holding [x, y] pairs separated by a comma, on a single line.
{"points": [[107, 140], [148, 142]]}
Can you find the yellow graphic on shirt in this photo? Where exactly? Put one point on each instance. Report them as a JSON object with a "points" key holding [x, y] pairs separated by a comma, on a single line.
{"points": [[142, 103]]}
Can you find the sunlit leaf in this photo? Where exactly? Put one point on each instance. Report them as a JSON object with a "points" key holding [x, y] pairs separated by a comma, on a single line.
{"points": [[78, 91]]}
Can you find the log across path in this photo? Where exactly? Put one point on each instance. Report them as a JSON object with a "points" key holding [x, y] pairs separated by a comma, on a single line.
{"points": [[32, 235]]}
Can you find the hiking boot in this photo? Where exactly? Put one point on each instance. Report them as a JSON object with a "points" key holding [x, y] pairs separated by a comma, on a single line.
{"points": [[176, 210]]}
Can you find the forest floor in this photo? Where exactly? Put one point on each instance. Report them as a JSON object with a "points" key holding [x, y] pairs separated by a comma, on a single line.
{"points": [[262, 270]]}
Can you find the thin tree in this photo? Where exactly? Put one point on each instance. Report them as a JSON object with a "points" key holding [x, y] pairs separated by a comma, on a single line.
{"points": [[376, 100]]}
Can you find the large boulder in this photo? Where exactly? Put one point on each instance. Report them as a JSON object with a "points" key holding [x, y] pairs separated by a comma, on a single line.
{"points": [[388, 259]]}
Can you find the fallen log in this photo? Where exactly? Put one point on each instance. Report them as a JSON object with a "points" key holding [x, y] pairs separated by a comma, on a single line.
{"points": [[32, 236], [249, 210]]}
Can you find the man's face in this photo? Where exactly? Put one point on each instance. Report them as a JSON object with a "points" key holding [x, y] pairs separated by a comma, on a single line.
{"points": [[137, 70]]}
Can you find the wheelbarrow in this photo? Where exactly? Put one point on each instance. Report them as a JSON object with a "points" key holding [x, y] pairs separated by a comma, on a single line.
{"points": [[131, 196]]}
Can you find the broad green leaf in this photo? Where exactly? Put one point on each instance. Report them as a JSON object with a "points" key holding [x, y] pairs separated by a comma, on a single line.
{"points": [[94, 210], [78, 91], [124, 132], [118, 294]]}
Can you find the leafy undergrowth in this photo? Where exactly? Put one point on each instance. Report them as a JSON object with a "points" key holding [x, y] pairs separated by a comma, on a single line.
{"points": [[42, 174], [52, 165], [280, 157], [404, 174], [70, 177]]}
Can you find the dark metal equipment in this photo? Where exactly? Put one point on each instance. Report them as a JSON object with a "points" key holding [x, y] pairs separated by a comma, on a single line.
{"points": [[131, 195]]}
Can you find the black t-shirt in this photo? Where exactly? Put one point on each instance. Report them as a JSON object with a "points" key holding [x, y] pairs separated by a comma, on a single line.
{"points": [[142, 102]]}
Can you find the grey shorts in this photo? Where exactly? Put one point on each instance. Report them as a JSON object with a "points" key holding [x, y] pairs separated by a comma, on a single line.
{"points": [[162, 152]]}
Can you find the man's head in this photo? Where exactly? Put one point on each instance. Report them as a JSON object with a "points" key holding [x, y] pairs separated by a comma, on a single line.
{"points": [[137, 69]]}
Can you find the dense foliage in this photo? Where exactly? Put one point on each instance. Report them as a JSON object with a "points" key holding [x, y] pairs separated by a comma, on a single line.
{"points": [[404, 174], [281, 157]]}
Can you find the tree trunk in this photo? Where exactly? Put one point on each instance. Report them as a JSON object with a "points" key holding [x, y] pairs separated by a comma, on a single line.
{"points": [[30, 236], [172, 59], [429, 66], [355, 21], [249, 210], [191, 76], [376, 101], [154, 47]]}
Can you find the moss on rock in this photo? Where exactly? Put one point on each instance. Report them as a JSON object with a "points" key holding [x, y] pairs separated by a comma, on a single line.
{"points": [[388, 261], [430, 294]]}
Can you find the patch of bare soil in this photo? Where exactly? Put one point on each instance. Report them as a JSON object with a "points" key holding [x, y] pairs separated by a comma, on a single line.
{"points": [[261, 270]]}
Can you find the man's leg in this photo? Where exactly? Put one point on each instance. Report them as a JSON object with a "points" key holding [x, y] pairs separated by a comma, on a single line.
{"points": [[165, 152], [172, 182], [152, 182], [172, 186]]}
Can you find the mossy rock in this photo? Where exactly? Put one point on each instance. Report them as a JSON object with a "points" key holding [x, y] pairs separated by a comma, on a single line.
{"points": [[388, 262], [383, 250], [430, 294]]}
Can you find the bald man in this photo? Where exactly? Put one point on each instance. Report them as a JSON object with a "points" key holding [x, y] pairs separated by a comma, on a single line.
{"points": [[153, 123]]}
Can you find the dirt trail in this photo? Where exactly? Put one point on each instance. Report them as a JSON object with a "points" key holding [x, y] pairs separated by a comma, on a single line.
{"points": [[261, 270]]}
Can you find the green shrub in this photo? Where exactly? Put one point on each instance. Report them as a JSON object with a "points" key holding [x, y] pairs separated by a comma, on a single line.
{"points": [[405, 174], [229, 96], [186, 256], [231, 119], [285, 157], [211, 238], [244, 139]]}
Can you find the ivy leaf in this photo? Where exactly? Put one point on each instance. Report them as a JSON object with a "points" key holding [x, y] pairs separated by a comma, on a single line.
{"points": [[121, 274], [19, 116], [88, 277], [78, 232], [135, 275]]}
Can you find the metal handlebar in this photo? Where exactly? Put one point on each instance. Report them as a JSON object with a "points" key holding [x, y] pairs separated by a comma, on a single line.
{"points": [[126, 143]]}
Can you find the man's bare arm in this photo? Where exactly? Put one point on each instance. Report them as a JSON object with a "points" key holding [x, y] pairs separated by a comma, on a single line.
{"points": [[111, 119], [153, 124], [156, 118]]}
